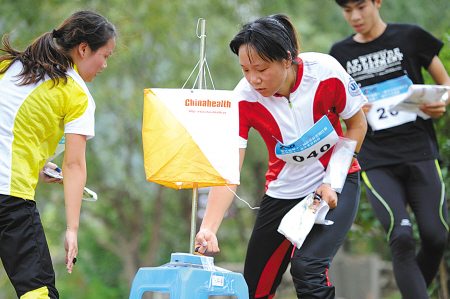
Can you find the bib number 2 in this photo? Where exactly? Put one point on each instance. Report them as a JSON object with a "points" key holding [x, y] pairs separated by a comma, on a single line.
{"points": [[385, 114]]}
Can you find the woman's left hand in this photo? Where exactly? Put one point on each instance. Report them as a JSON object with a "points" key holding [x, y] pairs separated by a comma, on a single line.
{"points": [[328, 194]]}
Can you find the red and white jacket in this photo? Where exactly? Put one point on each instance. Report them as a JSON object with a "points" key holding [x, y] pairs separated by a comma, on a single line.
{"points": [[323, 87]]}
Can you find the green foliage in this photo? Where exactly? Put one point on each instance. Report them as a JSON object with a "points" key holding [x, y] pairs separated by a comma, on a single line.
{"points": [[136, 223], [443, 133]]}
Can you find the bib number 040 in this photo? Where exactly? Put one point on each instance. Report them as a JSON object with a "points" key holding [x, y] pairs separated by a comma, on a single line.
{"points": [[313, 154]]}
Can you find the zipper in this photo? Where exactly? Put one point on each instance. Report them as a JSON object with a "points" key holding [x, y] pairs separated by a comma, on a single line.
{"points": [[293, 115]]}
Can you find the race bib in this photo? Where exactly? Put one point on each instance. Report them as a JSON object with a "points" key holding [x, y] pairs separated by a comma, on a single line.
{"points": [[310, 146], [384, 96]]}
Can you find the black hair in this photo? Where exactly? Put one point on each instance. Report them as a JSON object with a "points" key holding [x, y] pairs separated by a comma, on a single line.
{"points": [[49, 53], [271, 37], [344, 2]]}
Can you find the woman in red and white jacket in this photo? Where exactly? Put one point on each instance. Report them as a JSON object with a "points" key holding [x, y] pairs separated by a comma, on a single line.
{"points": [[283, 95]]}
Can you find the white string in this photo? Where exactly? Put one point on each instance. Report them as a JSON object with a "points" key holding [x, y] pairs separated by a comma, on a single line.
{"points": [[210, 77], [196, 31], [198, 75], [191, 75], [196, 78], [253, 208], [205, 63]]}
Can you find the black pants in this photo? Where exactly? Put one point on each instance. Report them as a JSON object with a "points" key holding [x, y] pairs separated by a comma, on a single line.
{"points": [[23, 247], [390, 190], [269, 252]]}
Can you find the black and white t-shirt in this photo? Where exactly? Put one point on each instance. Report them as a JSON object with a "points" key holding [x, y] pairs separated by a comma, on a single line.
{"points": [[403, 49]]}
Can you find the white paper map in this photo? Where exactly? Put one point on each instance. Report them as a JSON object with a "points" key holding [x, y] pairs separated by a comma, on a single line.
{"points": [[298, 222], [397, 101], [419, 95]]}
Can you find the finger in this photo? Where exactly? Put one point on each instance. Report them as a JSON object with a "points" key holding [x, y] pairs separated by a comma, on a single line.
{"points": [[69, 267], [433, 109], [202, 238], [211, 250], [367, 107], [436, 104], [51, 165], [199, 248], [71, 264], [430, 110], [334, 203], [197, 251], [199, 239], [53, 180], [432, 113], [316, 203]]}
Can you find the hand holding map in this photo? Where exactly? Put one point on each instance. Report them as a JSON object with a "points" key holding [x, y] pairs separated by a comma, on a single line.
{"points": [[419, 95]]}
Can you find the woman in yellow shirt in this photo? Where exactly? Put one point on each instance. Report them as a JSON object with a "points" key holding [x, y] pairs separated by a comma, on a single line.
{"points": [[43, 96]]}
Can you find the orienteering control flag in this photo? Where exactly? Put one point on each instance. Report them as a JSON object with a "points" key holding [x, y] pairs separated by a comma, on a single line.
{"points": [[191, 136]]}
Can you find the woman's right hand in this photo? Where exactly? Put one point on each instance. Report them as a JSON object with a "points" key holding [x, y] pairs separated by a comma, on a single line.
{"points": [[328, 194], [48, 179], [206, 242]]}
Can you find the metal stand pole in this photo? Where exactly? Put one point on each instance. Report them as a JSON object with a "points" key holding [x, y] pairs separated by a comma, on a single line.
{"points": [[201, 79], [193, 217]]}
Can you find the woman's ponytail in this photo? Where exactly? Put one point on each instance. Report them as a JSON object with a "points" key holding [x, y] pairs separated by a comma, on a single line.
{"points": [[49, 55]]}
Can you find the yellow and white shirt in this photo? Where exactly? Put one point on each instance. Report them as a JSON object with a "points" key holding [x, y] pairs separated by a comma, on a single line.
{"points": [[33, 119]]}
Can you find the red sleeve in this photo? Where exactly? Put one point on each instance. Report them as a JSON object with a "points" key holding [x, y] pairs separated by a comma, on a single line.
{"points": [[330, 100], [244, 124]]}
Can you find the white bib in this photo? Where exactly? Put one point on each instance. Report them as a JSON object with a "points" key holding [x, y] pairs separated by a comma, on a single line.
{"points": [[384, 96], [310, 146]]}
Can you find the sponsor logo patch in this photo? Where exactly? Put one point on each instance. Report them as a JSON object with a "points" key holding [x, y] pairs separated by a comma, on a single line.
{"points": [[353, 88]]}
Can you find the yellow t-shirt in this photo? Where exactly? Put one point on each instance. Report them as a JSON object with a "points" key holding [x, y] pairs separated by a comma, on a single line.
{"points": [[33, 119]]}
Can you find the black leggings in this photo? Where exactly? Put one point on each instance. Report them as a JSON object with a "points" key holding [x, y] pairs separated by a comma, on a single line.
{"points": [[269, 252], [390, 190]]}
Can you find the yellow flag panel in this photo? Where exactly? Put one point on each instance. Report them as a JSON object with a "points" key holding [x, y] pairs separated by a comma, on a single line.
{"points": [[171, 155]]}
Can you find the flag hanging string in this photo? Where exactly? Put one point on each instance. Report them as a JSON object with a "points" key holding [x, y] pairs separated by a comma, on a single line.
{"points": [[205, 62], [253, 208]]}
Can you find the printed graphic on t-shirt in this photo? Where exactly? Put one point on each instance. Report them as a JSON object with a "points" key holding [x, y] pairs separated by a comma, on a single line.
{"points": [[375, 64], [401, 45]]}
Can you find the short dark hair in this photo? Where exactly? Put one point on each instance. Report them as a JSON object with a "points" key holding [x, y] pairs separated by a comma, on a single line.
{"points": [[344, 2], [271, 37]]}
